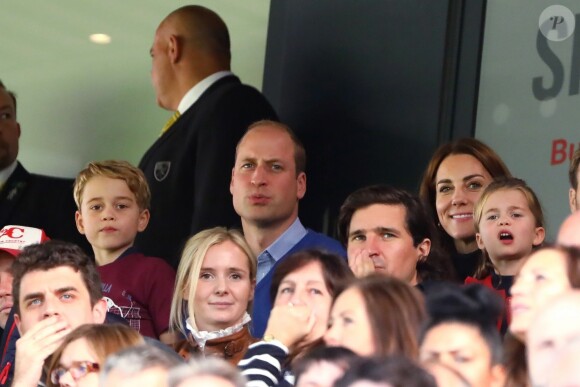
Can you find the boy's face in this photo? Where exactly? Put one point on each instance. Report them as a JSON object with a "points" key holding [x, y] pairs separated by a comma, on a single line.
{"points": [[109, 215], [6, 260]]}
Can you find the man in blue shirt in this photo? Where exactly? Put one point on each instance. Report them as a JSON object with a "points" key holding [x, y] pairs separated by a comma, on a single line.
{"points": [[268, 180]]}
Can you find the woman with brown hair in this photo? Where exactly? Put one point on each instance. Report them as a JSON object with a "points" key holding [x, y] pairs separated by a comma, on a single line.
{"points": [[302, 289], [453, 181], [84, 350], [377, 316]]}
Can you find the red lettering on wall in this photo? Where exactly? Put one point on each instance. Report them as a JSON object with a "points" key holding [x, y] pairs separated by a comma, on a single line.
{"points": [[558, 155]]}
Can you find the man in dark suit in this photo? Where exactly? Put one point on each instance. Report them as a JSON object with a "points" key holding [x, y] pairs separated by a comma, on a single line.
{"points": [[188, 168], [28, 199]]}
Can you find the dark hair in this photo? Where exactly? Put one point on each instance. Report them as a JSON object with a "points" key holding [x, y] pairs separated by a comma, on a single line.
{"points": [[335, 271], [474, 305], [10, 93], [340, 356], [299, 150], [395, 371], [206, 29], [573, 169], [336, 275], [485, 265], [464, 146], [395, 310], [417, 222], [51, 255]]}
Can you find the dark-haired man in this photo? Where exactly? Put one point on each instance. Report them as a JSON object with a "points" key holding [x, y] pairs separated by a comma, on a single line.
{"points": [[56, 289], [387, 230], [268, 181]]}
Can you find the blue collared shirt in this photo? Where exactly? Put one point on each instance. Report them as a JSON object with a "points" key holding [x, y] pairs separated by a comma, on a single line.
{"points": [[279, 248]]}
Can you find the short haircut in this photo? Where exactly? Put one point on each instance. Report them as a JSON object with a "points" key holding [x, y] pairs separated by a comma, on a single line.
{"points": [[103, 339], [396, 312], [114, 169], [485, 266], [573, 169], [54, 254], [488, 158], [394, 371], [299, 150], [418, 223], [189, 268], [209, 366], [133, 360], [10, 93], [205, 29], [473, 305]]}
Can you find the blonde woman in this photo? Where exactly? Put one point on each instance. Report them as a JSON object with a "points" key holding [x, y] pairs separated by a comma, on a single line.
{"points": [[214, 290]]}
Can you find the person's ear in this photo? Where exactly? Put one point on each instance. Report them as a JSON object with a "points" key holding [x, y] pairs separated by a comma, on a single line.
{"points": [[540, 234], [232, 181], [100, 311], [17, 321], [479, 241], [301, 185], [424, 248], [572, 199], [144, 217], [174, 48], [79, 222]]}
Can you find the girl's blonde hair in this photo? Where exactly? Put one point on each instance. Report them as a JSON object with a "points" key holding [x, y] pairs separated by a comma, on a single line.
{"points": [[189, 268], [485, 266]]}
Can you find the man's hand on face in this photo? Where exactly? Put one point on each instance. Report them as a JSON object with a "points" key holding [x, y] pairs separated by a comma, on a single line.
{"points": [[361, 264], [35, 346]]}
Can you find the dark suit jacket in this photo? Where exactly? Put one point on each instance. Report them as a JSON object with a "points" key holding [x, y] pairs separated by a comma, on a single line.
{"points": [[43, 202], [189, 167]]}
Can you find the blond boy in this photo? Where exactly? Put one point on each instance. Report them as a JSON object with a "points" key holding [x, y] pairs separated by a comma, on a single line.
{"points": [[112, 199]]}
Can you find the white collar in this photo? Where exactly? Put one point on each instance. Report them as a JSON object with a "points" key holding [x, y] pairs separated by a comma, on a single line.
{"points": [[201, 337], [196, 91]]}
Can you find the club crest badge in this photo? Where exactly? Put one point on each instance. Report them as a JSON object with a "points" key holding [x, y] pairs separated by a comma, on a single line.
{"points": [[161, 170]]}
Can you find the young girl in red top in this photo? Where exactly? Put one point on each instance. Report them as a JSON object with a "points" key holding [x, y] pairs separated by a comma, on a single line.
{"points": [[509, 224]]}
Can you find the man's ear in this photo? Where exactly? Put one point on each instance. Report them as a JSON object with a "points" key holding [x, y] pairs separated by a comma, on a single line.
{"points": [[424, 248], [100, 311], [174, 48], [572, 199], [18, 322], [79, 222], [232, 181], [301, 186]]}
